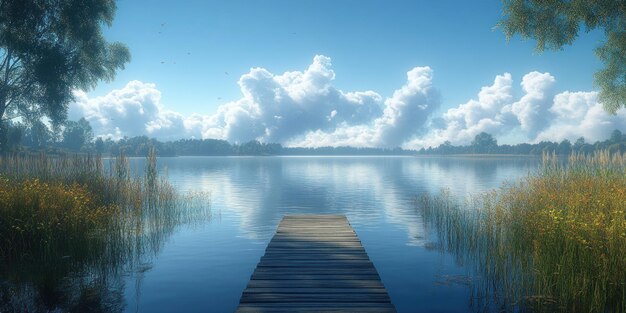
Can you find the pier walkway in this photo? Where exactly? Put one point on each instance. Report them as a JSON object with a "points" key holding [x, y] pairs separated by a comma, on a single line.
{"points": [[315, 263]]}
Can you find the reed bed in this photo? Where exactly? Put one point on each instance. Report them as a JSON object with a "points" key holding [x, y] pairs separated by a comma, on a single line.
{"points": [[70, 220], [552, 242]]}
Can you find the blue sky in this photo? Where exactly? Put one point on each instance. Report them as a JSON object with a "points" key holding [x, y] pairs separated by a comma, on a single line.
{"points": [[192, 55]]}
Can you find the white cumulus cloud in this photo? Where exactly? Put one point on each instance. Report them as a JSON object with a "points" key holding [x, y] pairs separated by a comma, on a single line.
{"points": [[532, 110], [404, 116], [490, 112], [293, 107], [579, 114], [304, 108], [131, 111], [539, 114], [277, 108]]}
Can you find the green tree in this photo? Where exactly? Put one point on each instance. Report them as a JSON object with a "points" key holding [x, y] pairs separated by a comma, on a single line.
{"points": [[616, 136], [252, 147], [4, 134], [77, 134], [37, 135], [99, 145], [445, 147], [50, 48], [556, 23], [10, 136], [14, 136], [484, 143], [580, 142], [565, 147], [581, 146]]}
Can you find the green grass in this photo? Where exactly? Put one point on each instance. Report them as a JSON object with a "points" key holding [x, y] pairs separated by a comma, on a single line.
{"points": [[70, 226], [554, 241]]}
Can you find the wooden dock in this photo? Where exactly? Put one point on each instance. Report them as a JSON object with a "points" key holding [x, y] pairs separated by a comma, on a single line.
{"points": [[315, 263]]}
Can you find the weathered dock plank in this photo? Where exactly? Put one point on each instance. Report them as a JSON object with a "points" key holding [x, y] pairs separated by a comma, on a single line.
{"points": [[315, 263], [320, 283]]}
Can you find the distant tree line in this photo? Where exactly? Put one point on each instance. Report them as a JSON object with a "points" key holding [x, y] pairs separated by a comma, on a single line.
{"points": [[138, 146], [78, 137], [484, 143], [74, 136]]}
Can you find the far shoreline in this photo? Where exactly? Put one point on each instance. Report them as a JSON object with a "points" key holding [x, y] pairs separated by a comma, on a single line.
{"points": [[481, 155]]}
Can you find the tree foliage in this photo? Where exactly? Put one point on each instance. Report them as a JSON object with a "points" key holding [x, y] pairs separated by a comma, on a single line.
{"points": [[48, 48], [484, 143], [37, 135], [555, 23], [76, 134], [10, 135]]}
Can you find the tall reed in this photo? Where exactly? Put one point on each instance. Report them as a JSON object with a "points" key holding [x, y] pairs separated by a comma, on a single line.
{"points": [[554, 241], [68, 219]]}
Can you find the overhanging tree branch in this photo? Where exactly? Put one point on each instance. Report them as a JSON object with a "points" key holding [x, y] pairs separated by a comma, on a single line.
{"points": [[557, 23], [48, 48]]}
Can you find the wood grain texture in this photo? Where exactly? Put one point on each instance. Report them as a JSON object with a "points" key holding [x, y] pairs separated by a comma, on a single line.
{"points": [[315, 263]]}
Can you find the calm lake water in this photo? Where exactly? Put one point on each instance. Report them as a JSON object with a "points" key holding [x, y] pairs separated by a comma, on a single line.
{"points": [[205, 267]]}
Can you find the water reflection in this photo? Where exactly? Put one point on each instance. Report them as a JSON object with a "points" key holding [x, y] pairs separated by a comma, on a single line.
{"points": [[259, 191], [209, 267]]}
